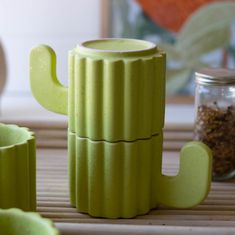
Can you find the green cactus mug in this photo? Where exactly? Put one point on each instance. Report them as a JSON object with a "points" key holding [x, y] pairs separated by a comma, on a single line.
{"points": [[17, 168], [115, 104]]}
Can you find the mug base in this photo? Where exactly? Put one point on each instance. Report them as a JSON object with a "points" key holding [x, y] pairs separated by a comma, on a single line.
{"points": [[114, 179]]}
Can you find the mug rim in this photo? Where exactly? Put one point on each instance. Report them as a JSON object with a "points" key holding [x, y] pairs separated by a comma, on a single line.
{"points": [[146, 48], [29, 135]]}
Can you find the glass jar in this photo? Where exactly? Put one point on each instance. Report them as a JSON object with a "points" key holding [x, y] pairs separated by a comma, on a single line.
{"points": [[215, 118]]}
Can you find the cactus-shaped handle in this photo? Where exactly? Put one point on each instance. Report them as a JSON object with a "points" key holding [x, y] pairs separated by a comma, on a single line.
{"points": [[44, 83], [192, 183]]}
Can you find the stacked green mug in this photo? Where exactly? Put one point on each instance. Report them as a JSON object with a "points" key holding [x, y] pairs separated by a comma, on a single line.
{"points": [[17, 168], [115, 103]]}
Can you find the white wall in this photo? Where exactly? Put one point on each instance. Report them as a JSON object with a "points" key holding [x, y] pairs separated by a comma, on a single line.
{"points": [[60, 23]]}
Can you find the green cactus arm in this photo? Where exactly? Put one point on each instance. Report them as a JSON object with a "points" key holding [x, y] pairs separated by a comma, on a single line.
{"points": [[45, 86], [192, 183]]}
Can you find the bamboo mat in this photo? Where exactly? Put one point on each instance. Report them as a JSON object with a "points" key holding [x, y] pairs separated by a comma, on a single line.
{"points": [[216, 215]]}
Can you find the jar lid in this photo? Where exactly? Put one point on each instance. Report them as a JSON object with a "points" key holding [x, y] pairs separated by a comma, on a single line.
{"points": [[215, 76]]}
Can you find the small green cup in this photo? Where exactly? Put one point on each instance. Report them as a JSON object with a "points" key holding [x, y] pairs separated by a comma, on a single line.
{"points": [[17, 168], [17, 222]]}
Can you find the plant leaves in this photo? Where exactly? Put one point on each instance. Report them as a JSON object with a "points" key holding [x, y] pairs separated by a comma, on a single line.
{"points": [[146, 27], [206, 30], [176, 79], [171, 50], [211, 40], [231, 50]]}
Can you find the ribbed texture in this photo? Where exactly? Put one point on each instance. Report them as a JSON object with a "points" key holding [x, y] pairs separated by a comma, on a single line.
{"points": [[114, 100], [18, 174], [114, 180]]}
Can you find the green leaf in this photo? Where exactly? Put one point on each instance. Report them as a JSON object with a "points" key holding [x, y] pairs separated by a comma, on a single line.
{"points": [[231, 50], [206, 30], [176, 79], [144, 27], [171, 50], [211, 40]]}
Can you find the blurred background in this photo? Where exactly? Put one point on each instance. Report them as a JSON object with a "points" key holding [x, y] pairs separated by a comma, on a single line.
{"points": [[61, 24], [194, 34]]}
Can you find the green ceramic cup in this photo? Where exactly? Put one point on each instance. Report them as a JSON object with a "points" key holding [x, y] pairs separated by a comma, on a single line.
{"points": [[17, 222], [112, 93], [17, 168], [115, 104]]}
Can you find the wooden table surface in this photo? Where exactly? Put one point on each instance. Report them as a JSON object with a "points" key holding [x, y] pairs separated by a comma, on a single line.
{"points": [[216, 215]]}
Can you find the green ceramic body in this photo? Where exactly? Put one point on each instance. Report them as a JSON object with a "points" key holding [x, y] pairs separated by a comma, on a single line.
{"points": [[17, 168], [17, 222], [114, 179], [113, 96], [115, 106]]}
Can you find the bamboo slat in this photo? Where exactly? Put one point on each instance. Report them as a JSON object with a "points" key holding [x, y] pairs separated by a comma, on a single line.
{"points": [[104, 229]]}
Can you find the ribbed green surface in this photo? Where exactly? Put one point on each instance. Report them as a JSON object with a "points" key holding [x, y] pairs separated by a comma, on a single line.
{"points": [[114, 179], [18, 170], [116, 99]]}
